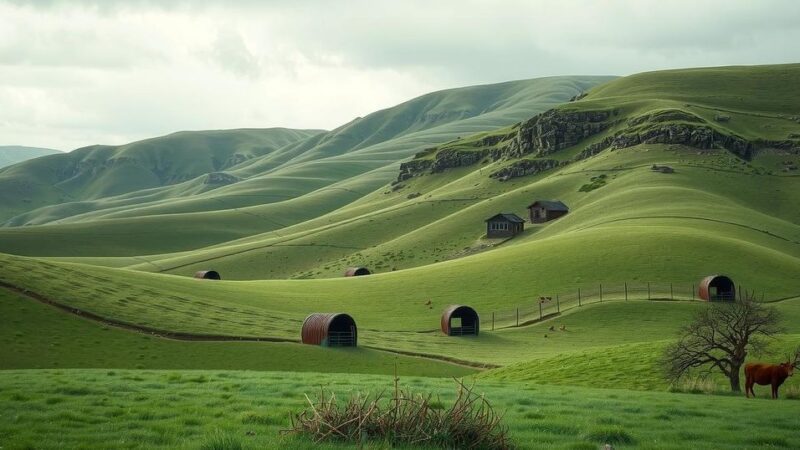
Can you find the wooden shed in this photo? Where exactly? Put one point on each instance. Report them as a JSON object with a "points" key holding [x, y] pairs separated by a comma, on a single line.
{"points": [[356, 272], [717, 288], [546, 210], [460, 320], [329, 330], [207, 275], [504, 225]]}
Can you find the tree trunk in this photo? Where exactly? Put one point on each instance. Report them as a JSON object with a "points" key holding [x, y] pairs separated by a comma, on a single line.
{"points": [[734, 378]]}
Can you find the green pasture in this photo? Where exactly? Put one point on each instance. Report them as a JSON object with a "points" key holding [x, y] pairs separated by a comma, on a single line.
{"points": [[196, 409]]}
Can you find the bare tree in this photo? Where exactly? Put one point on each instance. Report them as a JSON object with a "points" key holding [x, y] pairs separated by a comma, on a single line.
{"points": [[719, 339]]}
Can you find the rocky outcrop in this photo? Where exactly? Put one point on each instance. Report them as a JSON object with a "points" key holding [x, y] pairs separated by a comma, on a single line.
{"points": [[452, 158], [414, 167], [526, 167], [558, 129], [555, 130], [544, 134]]}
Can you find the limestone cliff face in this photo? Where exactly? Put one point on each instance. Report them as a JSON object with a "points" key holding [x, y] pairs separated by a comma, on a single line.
{"points": [[557, 129], [544, 134]]}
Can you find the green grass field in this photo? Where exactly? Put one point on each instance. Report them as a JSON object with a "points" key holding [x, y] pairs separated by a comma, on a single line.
{"points": [[195, 409], [301, 206]]}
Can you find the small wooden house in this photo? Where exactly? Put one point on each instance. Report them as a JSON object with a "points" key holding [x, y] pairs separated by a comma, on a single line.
{"points": [[504, 225], [546, 210]]}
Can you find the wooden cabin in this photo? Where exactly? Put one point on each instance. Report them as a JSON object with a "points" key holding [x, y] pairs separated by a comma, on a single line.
{"points": [[546, 210], [504, 225]]}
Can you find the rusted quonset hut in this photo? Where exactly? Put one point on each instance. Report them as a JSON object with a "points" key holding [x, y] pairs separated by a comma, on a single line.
{"points": [[329, 330], [460, 320], [504, 225], [356, 271], [207, 275], [546, 210], [717, 288]]}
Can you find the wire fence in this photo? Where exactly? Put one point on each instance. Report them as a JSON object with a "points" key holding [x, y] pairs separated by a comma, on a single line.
{"points": [[544, 306]]}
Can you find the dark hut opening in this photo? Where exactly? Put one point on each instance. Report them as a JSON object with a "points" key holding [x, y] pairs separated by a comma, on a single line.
{"points": [[356, 272], [208, 275], [342, 331], [459, 320], [717, 288], [330, 330]]}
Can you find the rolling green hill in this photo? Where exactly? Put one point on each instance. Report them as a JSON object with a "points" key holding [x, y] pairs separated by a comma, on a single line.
{"points": [[106, 171], [290, 185], [13, 154]]}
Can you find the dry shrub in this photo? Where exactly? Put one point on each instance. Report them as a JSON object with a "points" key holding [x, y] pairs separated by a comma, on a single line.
{"points": [[404, 418]]}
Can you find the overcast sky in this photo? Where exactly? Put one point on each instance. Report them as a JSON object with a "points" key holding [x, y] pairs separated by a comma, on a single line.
{"points": [[75, 73]]}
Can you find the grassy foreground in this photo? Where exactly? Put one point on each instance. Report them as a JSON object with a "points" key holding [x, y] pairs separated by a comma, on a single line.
{"points": [[198, 409]]}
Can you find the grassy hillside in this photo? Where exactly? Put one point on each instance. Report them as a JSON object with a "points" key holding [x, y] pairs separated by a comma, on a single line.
{"points": [[105, 171], [717, 202], [41, 337], [296, 183], [13, 154], [390, 310]]}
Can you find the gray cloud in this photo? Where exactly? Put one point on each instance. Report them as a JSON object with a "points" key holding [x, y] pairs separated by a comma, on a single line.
{"points": [[83, 71]]}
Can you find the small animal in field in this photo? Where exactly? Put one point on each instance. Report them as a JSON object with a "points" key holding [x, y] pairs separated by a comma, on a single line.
{"points": [[563, 328], [763, 374], [552, 328]]}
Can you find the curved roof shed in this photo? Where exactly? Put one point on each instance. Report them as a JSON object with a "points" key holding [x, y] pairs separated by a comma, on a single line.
{"points": [[460, 320], [356, 271], [207, 275], [715, 288], [330, 330]]}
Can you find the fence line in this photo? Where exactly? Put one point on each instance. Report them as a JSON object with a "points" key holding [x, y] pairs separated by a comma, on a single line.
{"points": [[541, 307]]}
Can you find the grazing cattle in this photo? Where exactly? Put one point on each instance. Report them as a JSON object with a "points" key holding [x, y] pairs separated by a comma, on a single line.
{"points": [[764, 374]]}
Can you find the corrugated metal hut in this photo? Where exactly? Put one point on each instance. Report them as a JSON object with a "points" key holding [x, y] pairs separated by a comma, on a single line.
{"points": [[207, 275], [504, 225], [717, 288], [329, 330], [356, 271], [546, 210], [460, 320]]}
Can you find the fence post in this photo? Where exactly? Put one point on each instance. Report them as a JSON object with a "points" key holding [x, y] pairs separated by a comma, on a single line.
{"points": [[626, 291], [558, 305], [517, 316], [540, 310], [740, 293], [579, 296], [692, 292], [493, 321], [671, 297], [648, 290], [601, 292]]}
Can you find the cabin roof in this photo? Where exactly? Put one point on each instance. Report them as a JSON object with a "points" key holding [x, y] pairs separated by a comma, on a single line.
{"points": [[550, 205], [509, 217]]}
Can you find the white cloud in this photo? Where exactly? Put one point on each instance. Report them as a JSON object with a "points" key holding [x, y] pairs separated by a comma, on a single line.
{"points": [[82, 72]]}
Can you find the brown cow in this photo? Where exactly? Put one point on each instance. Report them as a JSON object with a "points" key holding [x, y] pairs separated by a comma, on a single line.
{"points": [[764, 374]]}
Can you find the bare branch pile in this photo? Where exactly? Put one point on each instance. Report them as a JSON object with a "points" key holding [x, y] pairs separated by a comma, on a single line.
{"points": [[404, 418]]}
